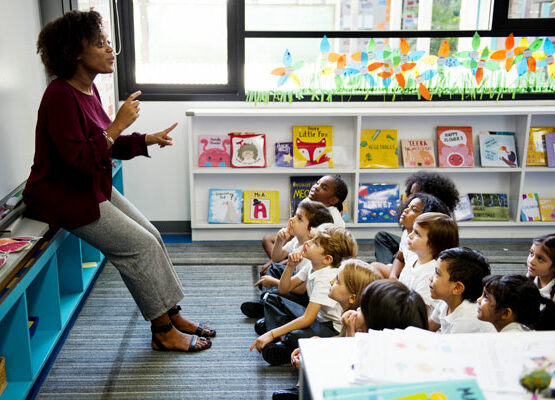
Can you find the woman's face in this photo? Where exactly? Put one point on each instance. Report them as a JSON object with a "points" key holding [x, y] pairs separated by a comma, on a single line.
{"points": [[97, 57]]}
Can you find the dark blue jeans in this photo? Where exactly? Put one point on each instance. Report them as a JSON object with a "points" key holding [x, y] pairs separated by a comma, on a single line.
{"points": [[386, 247], [276, 270]]}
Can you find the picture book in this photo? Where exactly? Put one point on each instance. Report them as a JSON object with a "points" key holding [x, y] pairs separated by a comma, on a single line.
{"points": [[378, 148], [550, 147], [497, 150], [547, 209], [418, 153], [463, 211], [537, 151], [378, 202], [225, 206], [455, 146], [504, 133], [248, 150], [260, 206], [312, 146], [489, 206], [299, 189], [214, 151], [284, 154], [529, 207]]}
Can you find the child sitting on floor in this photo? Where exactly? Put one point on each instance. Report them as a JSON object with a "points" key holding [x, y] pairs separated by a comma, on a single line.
{"points": [[514, 303], [457, 281], [431, 233], [289, 321], [540, 264]]}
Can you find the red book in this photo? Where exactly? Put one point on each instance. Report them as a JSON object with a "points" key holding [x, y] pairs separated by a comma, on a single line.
{"points": [[455, 146]]}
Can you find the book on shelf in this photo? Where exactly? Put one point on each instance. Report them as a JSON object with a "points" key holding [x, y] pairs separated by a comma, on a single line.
{"points": [[489, 206], [379, 148], [312, 146], [214, 151], [537, 151], [284, 154], [225, 206], [248, 150], [378, 202], [260, 206], [547, 209], [529, 207], [455, 146], [550, 147], [299, 189], [418, 153], [463, 211], [497, 150]]}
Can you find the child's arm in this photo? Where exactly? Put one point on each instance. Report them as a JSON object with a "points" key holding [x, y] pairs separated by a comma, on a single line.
{"points": [[287, 282], [304, 321], [398, 265], [432, 325], [283, 236], [267, 281]]}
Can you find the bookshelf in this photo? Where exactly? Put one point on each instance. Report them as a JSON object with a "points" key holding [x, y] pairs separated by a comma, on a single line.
{"points": [[56, 276], [412, 121]]}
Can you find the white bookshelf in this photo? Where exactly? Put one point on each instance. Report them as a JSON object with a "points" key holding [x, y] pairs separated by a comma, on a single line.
{"points": [[412, 121]]}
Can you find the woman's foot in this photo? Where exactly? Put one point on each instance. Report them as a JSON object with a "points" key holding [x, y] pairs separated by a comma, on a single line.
{"points": [[184, 325], [166, 337]]}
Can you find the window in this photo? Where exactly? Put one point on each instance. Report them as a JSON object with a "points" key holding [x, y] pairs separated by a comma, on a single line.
{"points": [[330, 49]]}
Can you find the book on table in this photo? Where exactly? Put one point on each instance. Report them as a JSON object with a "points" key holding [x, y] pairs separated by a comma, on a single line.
{"points": [[312, 146], [260, 206], [379, 148], [225, 206], [455, 146]]}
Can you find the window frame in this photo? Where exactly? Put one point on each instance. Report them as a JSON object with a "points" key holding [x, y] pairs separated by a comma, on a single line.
{"points": [[235, 90]]}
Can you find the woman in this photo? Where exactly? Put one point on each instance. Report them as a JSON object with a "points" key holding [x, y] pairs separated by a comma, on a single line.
{"points": [[70, 185]]}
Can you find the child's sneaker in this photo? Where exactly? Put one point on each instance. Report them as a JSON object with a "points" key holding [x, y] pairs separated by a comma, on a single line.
{"points": [[253, 309]]}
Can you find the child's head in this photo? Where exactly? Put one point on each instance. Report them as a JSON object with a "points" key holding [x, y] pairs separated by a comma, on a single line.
{"points": [[435, 184], [353, 276], [330, 190], [459, 273], [419, 203], [433, 232], [330, 244], [514, 298], [541, 257], [389, 304]]}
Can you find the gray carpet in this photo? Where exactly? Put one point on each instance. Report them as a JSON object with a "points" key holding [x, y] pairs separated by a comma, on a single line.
{"points": [[107, 354]]}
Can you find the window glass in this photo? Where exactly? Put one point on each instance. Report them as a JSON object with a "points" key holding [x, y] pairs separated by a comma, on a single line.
{"points": [[531, 9]]}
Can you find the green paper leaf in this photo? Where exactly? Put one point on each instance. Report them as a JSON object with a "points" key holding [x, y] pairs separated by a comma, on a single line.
{"points": [[492, 65], [476, 41], [462, 54], [469, 63], [536, 44], [485, 53]]}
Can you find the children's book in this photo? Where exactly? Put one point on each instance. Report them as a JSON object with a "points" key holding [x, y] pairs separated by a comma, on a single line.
{"points": [[547, 209], [284, 154], [260, 206], [214, 151], [225, 206], [550, 147], [537, 151], [418, 153], [248, 150], [489, 206], [378, 202], [299, 189], [463, 211], [378, 148], [497, 150], [529, 207], [312, 146], [455, 146]]}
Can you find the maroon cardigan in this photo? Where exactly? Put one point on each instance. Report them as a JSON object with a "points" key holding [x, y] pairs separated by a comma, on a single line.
{"points": [[72, 169]]}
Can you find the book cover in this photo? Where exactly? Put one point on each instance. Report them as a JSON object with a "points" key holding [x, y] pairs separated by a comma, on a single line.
{"points": [[260, 206], [550, 147], [312, 146], [299, 189], [455, 146], [248, 150], [418, 153], [214, 151], [225, 206], [463, 211], [284, 154], [378, 202], [529, 207], [489, 206], [547, 209], [378, 148], [497, 150], [537, 151]]}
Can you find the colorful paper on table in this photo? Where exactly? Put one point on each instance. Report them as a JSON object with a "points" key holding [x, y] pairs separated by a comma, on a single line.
{"points": [[3, 258], [547, 209], [455, 146], [379, 148], [13, 246], [529, 207], [418, 153], [225, 206], [260, 206], [214, 151], [312, 146], [91, 264]]}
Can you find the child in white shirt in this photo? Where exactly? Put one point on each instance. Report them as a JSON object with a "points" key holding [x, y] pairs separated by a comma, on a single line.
{"points": [[540, 264], [457, 282]]}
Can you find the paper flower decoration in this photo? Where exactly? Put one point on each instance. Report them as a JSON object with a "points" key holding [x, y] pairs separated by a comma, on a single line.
{"points": [[288, 70]]}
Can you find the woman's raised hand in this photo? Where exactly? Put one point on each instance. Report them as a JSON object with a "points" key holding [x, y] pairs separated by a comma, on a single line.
{"points": [[161, 138], [128, 112]]}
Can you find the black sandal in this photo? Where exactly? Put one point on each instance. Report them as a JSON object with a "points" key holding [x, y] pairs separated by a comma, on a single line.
{"points": [[166, 328], [201, 329]]}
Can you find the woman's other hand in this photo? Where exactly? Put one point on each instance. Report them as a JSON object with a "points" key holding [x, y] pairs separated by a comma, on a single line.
{"points": [[161, 138], [127, 114]]}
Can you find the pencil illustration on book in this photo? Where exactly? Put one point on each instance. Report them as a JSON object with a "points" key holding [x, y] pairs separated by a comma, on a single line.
{"points": [[225, 206]]}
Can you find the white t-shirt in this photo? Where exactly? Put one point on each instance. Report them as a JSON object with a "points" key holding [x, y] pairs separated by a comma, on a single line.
{"points": [[515, 327], [546, 290], [336, 215], [318, 284], [409, 256], [293, 246], [417, 278], [463, 319]]}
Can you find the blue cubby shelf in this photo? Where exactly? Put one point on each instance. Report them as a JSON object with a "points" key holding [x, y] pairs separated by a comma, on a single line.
{"points": [[52, 287]]}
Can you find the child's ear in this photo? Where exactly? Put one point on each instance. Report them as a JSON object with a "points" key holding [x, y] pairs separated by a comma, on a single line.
{"points": [[507, 314], [459, 288], [328, 259], [352, 298]]}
